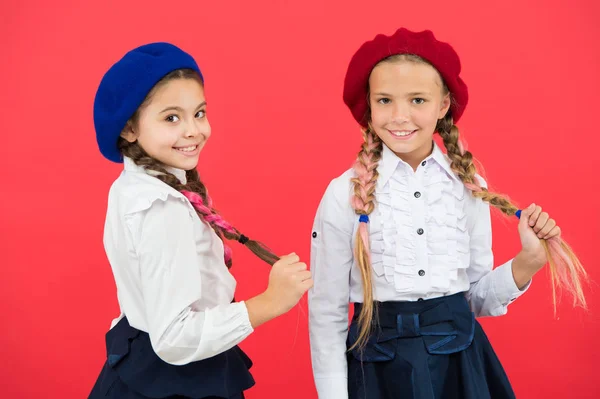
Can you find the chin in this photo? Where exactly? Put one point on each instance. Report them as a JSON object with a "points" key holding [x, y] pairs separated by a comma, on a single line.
{"points": [[186, 164], [189, 165], [401, 148]]}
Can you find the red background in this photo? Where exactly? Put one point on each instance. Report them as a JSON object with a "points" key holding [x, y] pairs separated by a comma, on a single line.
{"points": [[281, 132]]}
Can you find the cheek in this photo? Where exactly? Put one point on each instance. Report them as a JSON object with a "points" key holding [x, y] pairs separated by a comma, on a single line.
{"points": [[427, 116], [379, 116], [208, 129], [157, 137]]}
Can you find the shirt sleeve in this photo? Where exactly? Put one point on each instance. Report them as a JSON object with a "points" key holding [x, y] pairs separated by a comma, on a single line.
{"points": [[171, 285], [491, 290], [331, 262]]}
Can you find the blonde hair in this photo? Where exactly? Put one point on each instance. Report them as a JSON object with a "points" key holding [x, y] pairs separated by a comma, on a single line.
{"points": [[566, 271]]}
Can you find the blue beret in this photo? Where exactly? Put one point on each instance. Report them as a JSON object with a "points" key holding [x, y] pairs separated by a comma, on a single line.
{"points": [[125, 86]]}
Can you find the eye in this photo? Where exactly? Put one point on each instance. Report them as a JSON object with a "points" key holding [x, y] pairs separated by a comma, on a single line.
{"points": [[201, 113], [172, 118], [419, 100], [384, 100]]}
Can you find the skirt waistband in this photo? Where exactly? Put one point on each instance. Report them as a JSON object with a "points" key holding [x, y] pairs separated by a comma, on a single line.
{"points": [[130, 354], [446, 325]]}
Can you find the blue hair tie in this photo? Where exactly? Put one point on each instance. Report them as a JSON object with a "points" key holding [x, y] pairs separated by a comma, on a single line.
{"points": [[363, 219], [518, 214]]}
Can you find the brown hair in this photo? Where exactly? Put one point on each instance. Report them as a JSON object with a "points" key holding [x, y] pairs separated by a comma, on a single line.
{"points": [[194, 189]]}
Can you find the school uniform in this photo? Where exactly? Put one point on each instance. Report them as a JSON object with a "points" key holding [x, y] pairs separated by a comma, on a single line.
{"points": [[178, 330], [432, 261]]}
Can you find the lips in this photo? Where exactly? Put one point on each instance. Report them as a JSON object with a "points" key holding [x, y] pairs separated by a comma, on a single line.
{"points": [[188, 151], [402, 134], [190, 148]]}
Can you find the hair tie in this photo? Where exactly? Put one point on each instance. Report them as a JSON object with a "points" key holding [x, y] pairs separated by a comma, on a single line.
{"points": [[518, 214], [363, 219], [243, 239]]}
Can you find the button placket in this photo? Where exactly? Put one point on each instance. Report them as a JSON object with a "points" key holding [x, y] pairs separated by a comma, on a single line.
{"points": [[418, 194]]}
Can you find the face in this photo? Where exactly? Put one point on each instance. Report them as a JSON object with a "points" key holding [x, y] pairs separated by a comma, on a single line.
{"points": [[172, 128], [406, 100]]}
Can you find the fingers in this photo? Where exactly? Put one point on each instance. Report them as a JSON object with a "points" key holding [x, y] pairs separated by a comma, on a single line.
{"points": [[549, 225], [289, 259], [555, 232], [304, 275], [535, 215], [307, 284], [541, 221], [298, 267], [525, 215]]}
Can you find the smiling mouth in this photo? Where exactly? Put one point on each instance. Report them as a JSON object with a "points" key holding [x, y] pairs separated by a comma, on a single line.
{"points": [[402, 133], [190, 148]]}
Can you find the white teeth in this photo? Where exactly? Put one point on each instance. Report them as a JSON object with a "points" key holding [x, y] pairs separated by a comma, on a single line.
{"points": [[402, 133], [187, 149]]}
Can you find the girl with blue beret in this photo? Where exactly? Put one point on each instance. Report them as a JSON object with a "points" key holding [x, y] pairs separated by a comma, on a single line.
{"points": [[179, 326]]}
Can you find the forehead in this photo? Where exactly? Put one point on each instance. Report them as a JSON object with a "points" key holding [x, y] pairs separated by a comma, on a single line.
{"points": [[404, 76], [180, 91]]}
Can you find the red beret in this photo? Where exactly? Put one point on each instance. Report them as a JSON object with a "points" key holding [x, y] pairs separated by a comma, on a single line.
{"points": [[441, 55]]}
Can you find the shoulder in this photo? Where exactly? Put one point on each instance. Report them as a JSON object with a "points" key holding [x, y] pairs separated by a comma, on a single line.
{"points": [[135, 192], [340, 189], [335, 208]]}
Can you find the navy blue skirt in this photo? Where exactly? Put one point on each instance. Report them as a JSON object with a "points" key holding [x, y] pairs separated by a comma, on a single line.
{"points": [[134, 371], [432, 349]]}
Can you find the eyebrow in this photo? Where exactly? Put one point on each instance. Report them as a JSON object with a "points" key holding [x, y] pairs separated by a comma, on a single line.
{"points": [[176, 108], [382, 94], [413, 94]]}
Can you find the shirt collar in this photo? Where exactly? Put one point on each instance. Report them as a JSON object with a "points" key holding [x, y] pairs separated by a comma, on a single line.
{"points": [[390, 162], [129, 165]]}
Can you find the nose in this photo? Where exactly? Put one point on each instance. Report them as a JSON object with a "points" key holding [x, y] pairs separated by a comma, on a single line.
{"points": [[198, 127], [400, 112]]}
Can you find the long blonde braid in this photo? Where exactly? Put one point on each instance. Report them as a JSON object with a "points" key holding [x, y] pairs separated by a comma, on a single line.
{"points": [[363, 203], [566, 271]]}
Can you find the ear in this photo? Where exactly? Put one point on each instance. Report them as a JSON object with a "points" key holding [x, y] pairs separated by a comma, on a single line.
{"points": [[128, 133], [445, 106]]}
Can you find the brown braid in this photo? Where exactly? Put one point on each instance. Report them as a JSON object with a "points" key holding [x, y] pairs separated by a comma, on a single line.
{"points": [[194, 185]]}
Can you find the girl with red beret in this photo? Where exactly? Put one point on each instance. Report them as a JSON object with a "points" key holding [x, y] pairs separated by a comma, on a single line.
{"points": [[405, 235]]}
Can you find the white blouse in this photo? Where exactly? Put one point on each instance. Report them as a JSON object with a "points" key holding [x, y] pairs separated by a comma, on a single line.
{"points": [[169, 270], [429, 238]]}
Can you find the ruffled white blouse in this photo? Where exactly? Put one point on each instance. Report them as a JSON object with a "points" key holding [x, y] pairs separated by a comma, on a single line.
{"points": [[429, 238]]}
